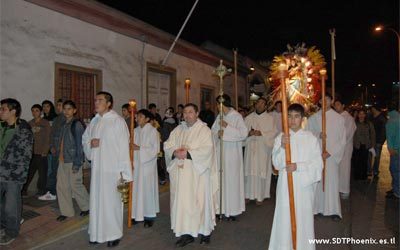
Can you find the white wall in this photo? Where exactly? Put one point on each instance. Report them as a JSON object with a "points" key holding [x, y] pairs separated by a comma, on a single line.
{"points": [[33, 38]]}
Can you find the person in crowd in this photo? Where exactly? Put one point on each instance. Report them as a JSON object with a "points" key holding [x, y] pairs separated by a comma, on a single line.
{"points": [[393, 145], [277, 114], [49, 111], [16, 144], [153, 109], [41, 133], [379, 122], [71, 158], [179, 114], [364, 143], [106, 144], [207, 115], [145, 201], [327, 200], [306, 169], [233, 133], [190, 157], [126, 114], [169, 124], [52, 158], [259, 143], [345, 163]]}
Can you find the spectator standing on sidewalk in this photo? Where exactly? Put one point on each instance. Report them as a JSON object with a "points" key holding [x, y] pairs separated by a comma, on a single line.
{"points": [[157, 117], [207, 115], [379, 121], [16, 141], [69, 176], [364, 142], [49, 114], [41, 145], [393, 144]]}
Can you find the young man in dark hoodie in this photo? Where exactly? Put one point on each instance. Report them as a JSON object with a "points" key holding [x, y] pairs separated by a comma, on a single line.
{"points": [[16, 143]]}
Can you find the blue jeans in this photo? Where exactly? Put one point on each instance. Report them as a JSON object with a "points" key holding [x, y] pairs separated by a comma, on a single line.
{"points": [[394, 171], [11, 207], [52, 174], [378, 150]]}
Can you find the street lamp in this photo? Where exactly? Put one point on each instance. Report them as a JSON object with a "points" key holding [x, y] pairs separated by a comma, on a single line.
{"points": [[382, 28]]}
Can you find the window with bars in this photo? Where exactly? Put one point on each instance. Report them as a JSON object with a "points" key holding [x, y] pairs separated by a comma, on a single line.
{"points": [[79, 85]]}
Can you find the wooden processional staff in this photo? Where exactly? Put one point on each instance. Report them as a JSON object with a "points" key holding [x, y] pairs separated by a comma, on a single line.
{"points": [[132, 105], [221, 71], [322, 72], [285, 125]]}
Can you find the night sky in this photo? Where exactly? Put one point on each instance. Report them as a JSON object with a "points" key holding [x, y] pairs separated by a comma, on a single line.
{"points": [[262, 29]]}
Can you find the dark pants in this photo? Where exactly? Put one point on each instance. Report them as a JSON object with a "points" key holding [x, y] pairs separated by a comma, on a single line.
{"points": [[161, 169], [38, 163], [360, 163], [11, 206], [378, 150], [52, 174], [395, 172]]}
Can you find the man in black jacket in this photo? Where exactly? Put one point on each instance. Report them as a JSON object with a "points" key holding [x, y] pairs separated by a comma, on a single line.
{"points": [[379, 121], [16, 142], [207, 115]]}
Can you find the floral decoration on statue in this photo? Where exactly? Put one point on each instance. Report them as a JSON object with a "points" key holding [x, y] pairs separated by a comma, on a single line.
{"points": [[303, 81]]}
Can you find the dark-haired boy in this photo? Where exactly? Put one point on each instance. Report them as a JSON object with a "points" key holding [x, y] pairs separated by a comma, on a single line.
{"points": [[345, 163], [41, 144], [16, 141], [306, 168], [69, 175], [106, 144], [53, 167]]}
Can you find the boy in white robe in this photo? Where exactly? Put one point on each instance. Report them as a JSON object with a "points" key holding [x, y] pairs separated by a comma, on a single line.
{"points": [[106, 144], [306, 169], [259, 143], [345, 163], [277, 114], [145, 199], [233, 133], [327, 202], [191, 163]]}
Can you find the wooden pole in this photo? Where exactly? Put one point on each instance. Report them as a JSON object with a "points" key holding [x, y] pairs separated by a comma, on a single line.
{"points": [[236, 79], [322, 72], [282, 76], [332, 32], [187, 87], [132, 104]]}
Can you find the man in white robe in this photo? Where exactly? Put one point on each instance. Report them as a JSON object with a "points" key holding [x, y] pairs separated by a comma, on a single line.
{"points": [[145, 199], [277, 114], [259, 143], [191, 163], [306, 168], [328, 202], [233, 133], [345, 163], [106, 145]]}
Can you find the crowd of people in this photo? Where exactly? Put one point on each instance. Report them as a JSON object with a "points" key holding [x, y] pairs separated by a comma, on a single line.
{"points": [[215, 164]]}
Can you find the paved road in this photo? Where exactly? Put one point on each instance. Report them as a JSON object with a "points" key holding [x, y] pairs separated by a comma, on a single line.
{"points": [[367, 214]]}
